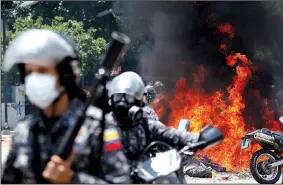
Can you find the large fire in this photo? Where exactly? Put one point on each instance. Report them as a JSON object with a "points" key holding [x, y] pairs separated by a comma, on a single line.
{"points": [[223, 110]]}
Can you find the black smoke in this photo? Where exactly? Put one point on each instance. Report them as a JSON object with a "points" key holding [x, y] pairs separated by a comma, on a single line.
{"points": [[174, 38]]}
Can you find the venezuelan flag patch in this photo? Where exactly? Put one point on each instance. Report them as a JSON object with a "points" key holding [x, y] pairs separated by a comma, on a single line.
{"points": [[111, 140]]}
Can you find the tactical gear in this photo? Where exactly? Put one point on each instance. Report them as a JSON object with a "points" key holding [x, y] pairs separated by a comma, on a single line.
{"points": [[36, 139], [136, 139], [127, 83], [117, 97], [149, 113], [37, 46], [46, 48], [125, 91]]}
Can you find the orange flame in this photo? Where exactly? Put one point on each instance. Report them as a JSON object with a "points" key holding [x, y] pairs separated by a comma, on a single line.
{"points": [[223, 110]]}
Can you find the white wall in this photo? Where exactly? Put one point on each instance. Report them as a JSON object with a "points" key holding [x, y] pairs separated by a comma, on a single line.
{"points": [[16, 110]]}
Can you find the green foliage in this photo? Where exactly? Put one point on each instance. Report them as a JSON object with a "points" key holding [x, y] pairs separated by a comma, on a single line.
{"points": [[89, 46], [83, 11], [77, 19]]}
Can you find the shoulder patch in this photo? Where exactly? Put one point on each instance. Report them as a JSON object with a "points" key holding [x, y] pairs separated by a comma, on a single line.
{"points": [[111, 140], [110, 135]]}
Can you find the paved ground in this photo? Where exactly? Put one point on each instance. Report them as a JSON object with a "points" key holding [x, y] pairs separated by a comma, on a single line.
{"points": [[219, 178], [225, 178]]}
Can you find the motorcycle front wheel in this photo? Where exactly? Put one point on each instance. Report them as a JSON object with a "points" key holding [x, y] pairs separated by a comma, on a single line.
{"points": [[261, 171]]}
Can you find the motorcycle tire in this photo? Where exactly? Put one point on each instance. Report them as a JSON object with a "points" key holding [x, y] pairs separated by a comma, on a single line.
{"points": [[253, 167]]}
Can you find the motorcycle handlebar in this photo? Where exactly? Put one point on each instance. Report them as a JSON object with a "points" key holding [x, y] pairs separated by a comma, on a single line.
{"points": [[193, 147]]}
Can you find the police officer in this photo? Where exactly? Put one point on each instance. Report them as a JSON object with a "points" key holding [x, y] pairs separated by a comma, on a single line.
{"points": [[126, 91], [159, 87], [149, 96], [48, 64], [163, 101]]}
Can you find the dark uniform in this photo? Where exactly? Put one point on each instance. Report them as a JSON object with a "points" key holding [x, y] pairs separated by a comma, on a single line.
{"points": [[149, 113], [150, 95], [136, 139], [126, 91], [36, 140]]}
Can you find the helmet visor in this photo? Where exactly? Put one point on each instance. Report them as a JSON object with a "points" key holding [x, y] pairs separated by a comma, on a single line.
{"points": [[117, 97]]}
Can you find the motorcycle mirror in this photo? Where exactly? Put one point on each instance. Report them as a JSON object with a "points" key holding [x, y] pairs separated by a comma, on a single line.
{"points": [[210, 136], [281, 119]]}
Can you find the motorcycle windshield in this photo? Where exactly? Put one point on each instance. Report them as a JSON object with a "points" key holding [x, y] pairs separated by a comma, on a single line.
{"points": [[161, 165]]}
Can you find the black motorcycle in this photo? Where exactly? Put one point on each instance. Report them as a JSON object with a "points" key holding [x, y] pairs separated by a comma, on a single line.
{"points": [[265, 170], [166, 167]]}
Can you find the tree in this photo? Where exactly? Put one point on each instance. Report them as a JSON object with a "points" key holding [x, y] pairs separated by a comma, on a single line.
{"points": [[85, 12], [89, 47], [82, 11]]}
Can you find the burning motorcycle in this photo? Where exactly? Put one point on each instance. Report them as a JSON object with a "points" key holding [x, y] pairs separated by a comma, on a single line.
{"points": [[266, 170], [166, 166]]}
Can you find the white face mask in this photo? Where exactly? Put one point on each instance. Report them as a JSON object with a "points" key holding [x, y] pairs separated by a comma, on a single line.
{"points": [[41, 89]]}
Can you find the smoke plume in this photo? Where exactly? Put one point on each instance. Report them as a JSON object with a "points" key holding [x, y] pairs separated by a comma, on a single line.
{"points": [[175, 38]]}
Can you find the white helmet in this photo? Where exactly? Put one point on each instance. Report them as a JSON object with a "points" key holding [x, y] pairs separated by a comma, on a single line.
{"points": [[34, 45], [43, 47], [127, 83]]}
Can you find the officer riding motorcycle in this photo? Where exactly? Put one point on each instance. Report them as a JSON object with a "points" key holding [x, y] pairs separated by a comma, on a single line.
{"points": [[126, 93], [48, 64], [150, 93]]}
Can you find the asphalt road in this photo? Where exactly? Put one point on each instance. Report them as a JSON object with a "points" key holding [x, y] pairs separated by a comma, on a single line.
{"points": [[224, 178]]}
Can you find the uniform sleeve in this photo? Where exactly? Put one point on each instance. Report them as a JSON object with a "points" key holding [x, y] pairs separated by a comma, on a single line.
{"points": [[10, 174], [114, 165], [170, 135], [149, 113], [85, 178]]}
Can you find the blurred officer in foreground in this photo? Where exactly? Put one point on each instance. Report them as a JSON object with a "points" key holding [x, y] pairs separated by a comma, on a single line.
{"points": [[48, 64], [126, 92], [149, 96]]}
